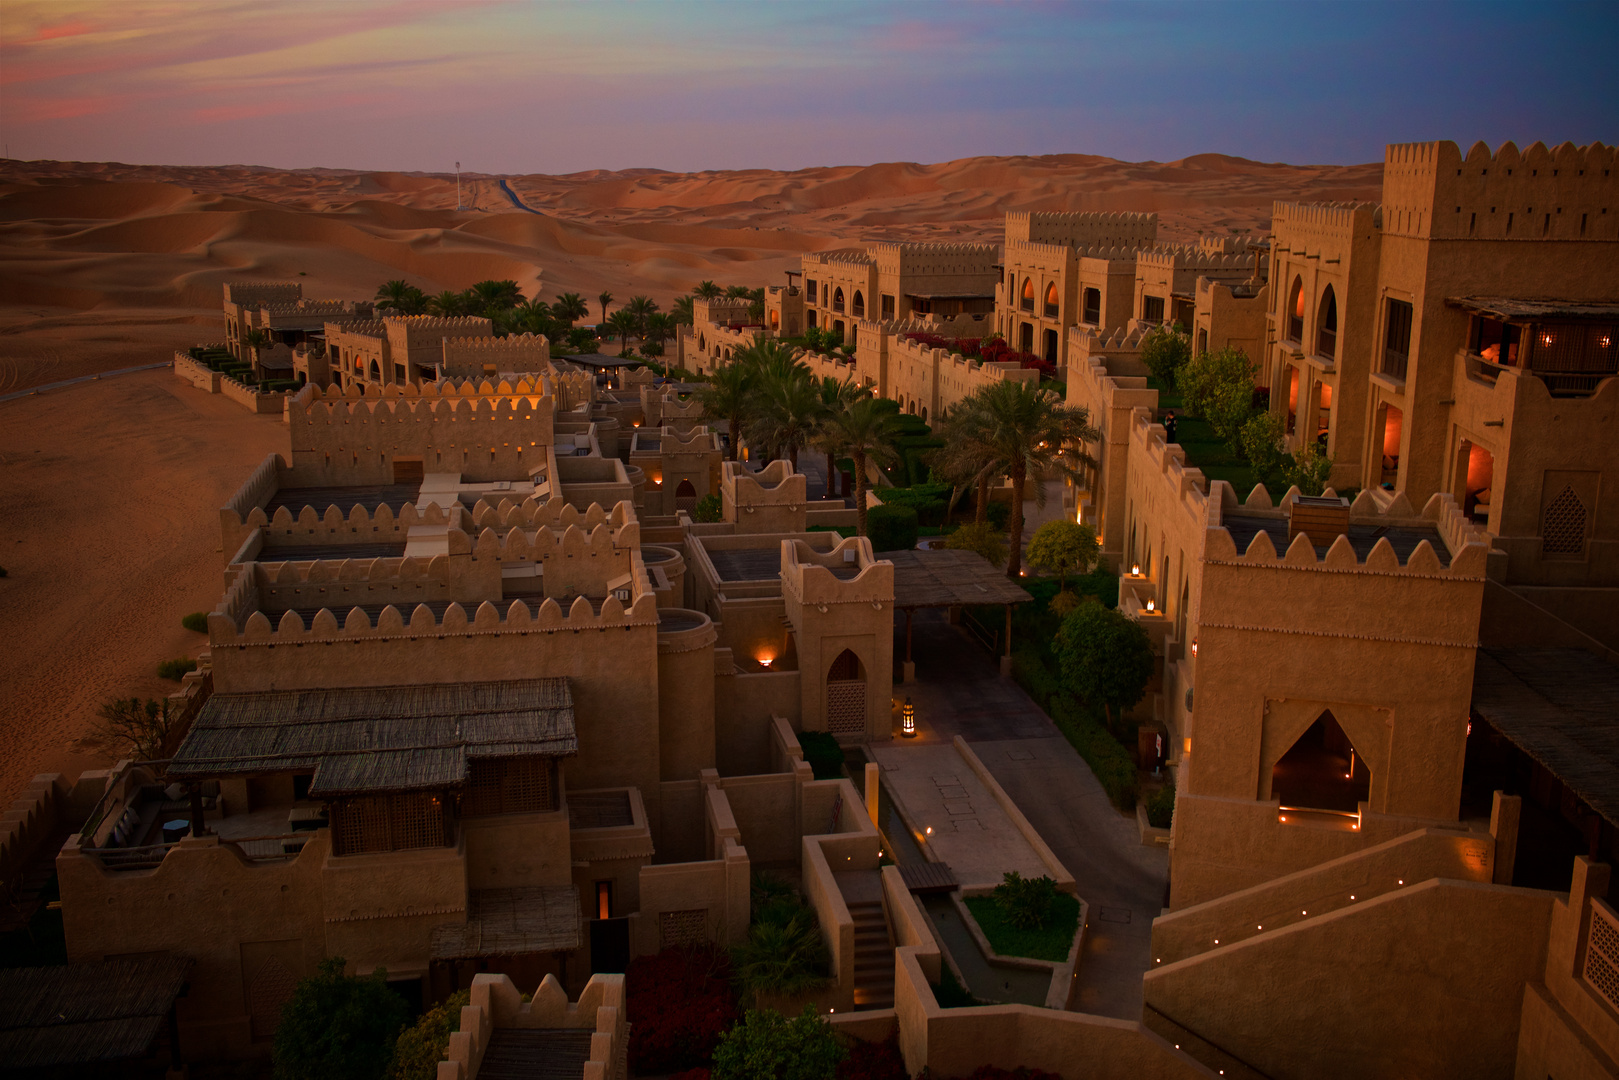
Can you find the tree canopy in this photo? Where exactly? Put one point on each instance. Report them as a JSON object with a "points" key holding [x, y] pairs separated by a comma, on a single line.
{"points": [[766, 1043], [1063, 547], [339, 1027], [1105, 657]]}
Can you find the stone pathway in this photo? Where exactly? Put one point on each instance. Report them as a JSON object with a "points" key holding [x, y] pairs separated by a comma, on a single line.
{"points": [[959, 691], [971, 831]]}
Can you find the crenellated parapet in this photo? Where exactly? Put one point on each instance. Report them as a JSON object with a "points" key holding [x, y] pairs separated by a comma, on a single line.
{"points": [[773, 500], [1431, 190], [554, 513], [392, 624], [1083, 228], [808, 577], [474, 356]]}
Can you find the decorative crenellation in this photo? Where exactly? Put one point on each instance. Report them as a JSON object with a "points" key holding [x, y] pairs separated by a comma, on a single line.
{"points": [[257, 489], [1083, 227], [311, 307], [391, 624], [1192, 258], [1430, 190], [491, 347], [310, 526], [1044, 252], [849, 256], [806, 574], [555, 513]]}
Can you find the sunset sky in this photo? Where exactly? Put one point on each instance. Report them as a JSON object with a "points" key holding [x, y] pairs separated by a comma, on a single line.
{"points": [[519, 87]]}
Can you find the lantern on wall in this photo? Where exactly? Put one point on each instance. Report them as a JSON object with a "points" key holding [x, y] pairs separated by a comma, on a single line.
{"points": [[907, 719], [1135, 570], [1149, 605]]}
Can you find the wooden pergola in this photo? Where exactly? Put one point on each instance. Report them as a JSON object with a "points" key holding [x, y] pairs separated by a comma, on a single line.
{"points": [[945, 578]]}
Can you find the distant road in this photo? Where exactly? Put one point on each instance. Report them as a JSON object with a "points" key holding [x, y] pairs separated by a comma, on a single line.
{"points": [[512, 195], [32, 390]]}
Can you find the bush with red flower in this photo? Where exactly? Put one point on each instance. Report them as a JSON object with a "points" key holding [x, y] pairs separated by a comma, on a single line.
{"points": [[680, 1002]]}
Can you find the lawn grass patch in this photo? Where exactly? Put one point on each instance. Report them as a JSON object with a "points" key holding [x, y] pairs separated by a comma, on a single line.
{"points": [[1050, 942]]}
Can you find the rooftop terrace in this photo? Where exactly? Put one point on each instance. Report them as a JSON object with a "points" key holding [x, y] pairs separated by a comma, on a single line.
{"points": [[1403, 538]]}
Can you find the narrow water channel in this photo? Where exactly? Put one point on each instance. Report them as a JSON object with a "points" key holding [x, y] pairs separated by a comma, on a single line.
{"points": [[985, 981]]}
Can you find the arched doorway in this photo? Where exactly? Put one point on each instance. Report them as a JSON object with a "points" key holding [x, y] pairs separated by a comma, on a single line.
{"points": [[846, 695], [1326, 334], [837, 299], [686, 497], [1322, 771], [1295, 311], [1050, 349], [376, 372], [858, 309], [1051, 300]]}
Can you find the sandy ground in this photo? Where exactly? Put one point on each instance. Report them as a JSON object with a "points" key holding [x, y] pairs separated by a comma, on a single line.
{"points": [[112, 486], [111, 491]]}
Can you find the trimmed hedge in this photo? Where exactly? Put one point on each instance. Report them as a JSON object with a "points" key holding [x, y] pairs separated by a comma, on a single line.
{"points": [[1106, 756], [891, 528], [928, 500]]}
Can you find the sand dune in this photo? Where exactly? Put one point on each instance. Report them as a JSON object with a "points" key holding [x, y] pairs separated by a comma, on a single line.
{"points": [[106, 266]]}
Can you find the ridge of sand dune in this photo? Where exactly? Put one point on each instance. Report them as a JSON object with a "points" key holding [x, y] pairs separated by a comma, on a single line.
{"points": [[106, 266]]}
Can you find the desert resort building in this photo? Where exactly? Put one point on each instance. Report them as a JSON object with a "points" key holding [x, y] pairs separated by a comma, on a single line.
{"points": [[484, 705]]}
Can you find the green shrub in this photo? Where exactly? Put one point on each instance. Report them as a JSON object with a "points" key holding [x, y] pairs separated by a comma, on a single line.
{"points": [[337, 1027], [197, 621], [784, 953], [823, 753], [891, 528], [710, 508], [424, 1044], [928, 500], [1161, 807], [1164, 350], [175, 669], [1027, 903], [981, 537], [1105, 658], [998, 514], [1108, 759], [1031, 673], [1050, 942], [766, 1043]]}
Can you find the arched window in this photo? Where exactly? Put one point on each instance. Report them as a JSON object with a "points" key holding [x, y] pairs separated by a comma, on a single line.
{"points": [[837, 299], [859, 306], [1321, 771], [775, 320], [376, 372], [1051, 300], [1028, 294], [1326, 334], [1295, 311], [686, 496]]}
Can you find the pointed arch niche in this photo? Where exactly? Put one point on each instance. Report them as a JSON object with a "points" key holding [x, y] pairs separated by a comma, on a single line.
{"points": [[1306, 752]]}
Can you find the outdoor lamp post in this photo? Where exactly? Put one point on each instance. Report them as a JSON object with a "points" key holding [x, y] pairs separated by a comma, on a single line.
{"points": [[907, 719]]}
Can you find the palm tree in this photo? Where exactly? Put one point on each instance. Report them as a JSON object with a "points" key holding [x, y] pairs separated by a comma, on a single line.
{"points": [[621, 325], [707, 290], [401, 297], [604, 299], [1028, 432], [642, 308], [739, 292], [488, 297], [727, 396], [787, 410], [683, 312], [569, 308], [964, 459], [866, 431], [531, 317], [447, 304], [658, 328], [836, 397]]}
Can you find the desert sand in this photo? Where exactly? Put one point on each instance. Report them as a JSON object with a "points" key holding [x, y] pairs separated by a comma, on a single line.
{"points": [[113, 485]]}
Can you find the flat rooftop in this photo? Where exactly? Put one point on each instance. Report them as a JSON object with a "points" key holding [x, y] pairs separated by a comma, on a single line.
{"points": [[1404, 539], [1561, 707], [761, 564]]}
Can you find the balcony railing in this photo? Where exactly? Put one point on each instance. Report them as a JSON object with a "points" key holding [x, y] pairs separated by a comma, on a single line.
{"points": [[1028, 304], [1602, 953]]}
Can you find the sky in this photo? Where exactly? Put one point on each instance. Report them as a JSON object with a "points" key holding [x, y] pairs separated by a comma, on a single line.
{"points": [[512, 86]]}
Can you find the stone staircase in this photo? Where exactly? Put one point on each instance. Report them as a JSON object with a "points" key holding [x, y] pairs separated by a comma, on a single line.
{"points": [[873, 956]]}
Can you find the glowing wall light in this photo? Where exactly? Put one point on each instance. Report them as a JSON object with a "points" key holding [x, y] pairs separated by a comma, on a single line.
{"points": [[907, 720]]}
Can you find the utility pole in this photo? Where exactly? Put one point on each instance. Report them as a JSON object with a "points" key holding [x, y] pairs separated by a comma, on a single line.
{"points": [[458, 185]]}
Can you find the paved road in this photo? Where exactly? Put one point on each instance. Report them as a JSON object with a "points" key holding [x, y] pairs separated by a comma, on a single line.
{"points": [[32, 390], [960, 691], [512, 195]]}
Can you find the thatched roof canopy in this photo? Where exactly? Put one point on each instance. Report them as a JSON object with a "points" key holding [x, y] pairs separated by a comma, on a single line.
{"points": [[379, 738], [80, 1014], [944, 578], [1561, 707]]}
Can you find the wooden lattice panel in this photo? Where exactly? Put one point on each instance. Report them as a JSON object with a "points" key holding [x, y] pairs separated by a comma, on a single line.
{"points": [[509, 786], [846, 707], [1562, 529], [1602, 954], [387, 823], [677, 928]]}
